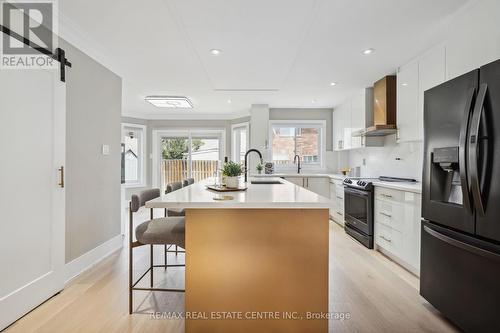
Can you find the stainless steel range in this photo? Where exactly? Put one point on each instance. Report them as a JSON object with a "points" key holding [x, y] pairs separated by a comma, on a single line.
{"points": [[358, 210]]}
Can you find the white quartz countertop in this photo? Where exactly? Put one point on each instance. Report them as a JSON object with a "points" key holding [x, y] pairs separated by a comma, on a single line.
{"points": [[401, 186], [305, 174], [270, 196]]}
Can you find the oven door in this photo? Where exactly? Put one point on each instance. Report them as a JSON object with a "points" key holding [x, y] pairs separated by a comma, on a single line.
{"points": [[358, 210]]}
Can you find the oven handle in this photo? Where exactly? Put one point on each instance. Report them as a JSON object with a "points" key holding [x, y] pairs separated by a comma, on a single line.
{"points": [[353, 191]]}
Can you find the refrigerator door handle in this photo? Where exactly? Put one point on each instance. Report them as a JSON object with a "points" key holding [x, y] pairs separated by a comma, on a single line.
{"points": [[462, 151], [462, 245], [473, 152]]}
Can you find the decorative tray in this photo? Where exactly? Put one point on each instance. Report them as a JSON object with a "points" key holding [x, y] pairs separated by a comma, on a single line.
{"points": [[220, 188]]}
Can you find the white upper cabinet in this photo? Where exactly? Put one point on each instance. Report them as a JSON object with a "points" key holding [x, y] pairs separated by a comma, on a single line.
{"points": [[432, 72], [358, 116], [342, 126], [408, 114], [475, 38], [414, 79]]}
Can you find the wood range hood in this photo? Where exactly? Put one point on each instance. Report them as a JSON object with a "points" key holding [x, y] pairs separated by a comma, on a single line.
{"points": [[384, 108]]}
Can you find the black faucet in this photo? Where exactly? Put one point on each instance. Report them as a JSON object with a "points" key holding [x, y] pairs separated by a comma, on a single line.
{"points": [[246, 161], [295, 158]]}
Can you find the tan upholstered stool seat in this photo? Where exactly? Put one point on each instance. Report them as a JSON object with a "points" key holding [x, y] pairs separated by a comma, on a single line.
{"points": [[166, 230]]}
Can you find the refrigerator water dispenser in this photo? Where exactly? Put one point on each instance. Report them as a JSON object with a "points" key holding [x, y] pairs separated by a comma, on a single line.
{"points": [[445, 176]]}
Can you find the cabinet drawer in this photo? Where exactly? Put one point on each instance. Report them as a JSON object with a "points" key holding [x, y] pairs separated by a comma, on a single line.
{"points": [[339, 191], [339, 205], [389, 194], [389, 239], [390, 214]]}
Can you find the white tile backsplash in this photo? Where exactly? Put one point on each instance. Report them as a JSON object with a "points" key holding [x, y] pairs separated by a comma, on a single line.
{"points": [[393, 159]]}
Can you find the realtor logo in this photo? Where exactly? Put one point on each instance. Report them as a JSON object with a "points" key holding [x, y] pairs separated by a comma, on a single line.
{"points": [[34, 22]]}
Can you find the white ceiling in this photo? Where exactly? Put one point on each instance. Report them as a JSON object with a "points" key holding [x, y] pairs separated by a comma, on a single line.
{"points": [[293, 48]]}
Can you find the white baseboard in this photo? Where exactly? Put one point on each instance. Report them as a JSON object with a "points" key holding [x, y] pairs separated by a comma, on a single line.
{"points": [[89, 259]]}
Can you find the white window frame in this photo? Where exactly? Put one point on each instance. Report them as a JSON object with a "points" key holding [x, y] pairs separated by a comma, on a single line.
{"points": [[320, 124], [180, 132], [235, 142], [142, 129]]}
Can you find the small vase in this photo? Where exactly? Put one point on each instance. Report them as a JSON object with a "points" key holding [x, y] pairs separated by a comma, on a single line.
{"points": [[260, 172], [232, 182]]}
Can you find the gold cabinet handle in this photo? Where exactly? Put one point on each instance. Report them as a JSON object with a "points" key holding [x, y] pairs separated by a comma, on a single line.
{"points": [[61, 175]]}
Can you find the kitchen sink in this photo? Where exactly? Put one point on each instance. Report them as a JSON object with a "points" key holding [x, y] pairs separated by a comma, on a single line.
{"points": [[268, 182]]}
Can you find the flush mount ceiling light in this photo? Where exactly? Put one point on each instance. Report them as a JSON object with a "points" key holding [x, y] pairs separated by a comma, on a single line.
{"points": [[404, 84], [215, 51], [368, 51], [179, 102], [333, 83]]}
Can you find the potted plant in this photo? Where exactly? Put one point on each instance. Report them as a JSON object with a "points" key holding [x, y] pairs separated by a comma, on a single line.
{"points": [[259, 168], [232, 170]]}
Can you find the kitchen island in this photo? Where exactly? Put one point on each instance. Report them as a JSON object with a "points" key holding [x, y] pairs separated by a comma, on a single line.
{"points": [[256, 263]]}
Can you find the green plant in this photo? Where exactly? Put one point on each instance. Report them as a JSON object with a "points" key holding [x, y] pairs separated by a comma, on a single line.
{"points": [[260, 167], [177, 148], [231, 169]]}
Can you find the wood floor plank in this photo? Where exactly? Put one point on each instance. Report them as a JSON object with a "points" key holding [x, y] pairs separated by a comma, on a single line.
{"points": [[378, 295]]}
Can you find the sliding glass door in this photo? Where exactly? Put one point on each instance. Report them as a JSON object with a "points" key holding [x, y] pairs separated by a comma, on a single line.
{"points": [[189, 154]]}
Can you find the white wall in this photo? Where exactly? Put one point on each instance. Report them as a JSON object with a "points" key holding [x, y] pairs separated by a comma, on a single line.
{"points": [[93, 99], [396, 160]]}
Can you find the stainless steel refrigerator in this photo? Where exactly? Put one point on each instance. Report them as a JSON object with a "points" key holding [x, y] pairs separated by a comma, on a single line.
{"points": [[460, 245]]}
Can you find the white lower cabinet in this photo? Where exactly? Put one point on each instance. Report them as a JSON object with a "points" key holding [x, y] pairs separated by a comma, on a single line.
{"points": [[318, 185], [397, 226], [296, 180], [337, 197]]}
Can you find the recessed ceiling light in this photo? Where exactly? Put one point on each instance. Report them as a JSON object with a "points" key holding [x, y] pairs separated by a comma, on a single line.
{"points": [[229, 101], [333, 83], [179, 102], [368, 51], [313, 101], [215, 51], [404, 84]]}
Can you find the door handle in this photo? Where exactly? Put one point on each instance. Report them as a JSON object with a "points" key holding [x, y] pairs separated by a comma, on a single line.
{"points": [[473, 152], [462, 245], [61, 177], [462, 151]]}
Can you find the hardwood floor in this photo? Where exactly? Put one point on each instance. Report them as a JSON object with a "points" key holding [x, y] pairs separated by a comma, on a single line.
{"points": [[377, 294]]}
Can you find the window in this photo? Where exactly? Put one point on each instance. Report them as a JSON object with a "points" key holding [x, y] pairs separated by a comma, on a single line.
{"points": [[239, 142], [304, 138], [133, 150], [186, 154]]}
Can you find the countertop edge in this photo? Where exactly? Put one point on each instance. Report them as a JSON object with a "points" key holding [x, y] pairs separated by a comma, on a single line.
{"points": [[406, 187]]}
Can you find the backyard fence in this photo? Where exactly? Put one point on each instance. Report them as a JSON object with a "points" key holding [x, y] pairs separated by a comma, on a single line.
{"points": [[178, 170]]}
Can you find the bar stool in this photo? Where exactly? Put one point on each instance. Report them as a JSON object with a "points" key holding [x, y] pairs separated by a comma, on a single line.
{"points": [[187, 182], [156, 231], [172, 212]]}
